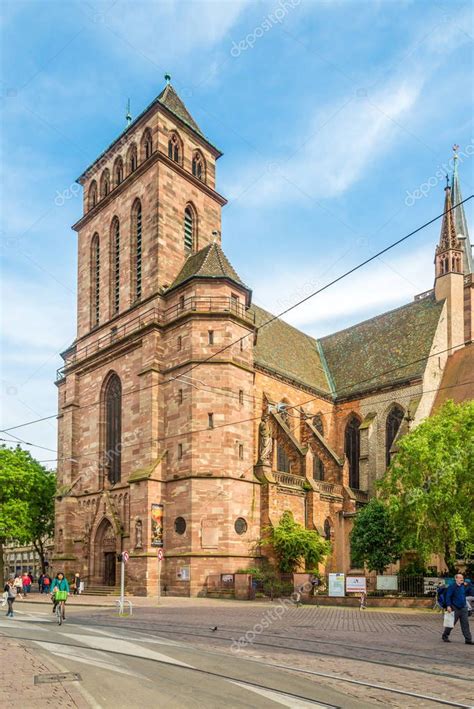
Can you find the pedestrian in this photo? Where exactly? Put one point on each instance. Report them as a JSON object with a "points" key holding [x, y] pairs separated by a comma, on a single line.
{"points": [[19, 586], [40, 583], [30, 576], [77, 584], [46, 583], [363, 601], [469, 586], [26, 583], [11, 592], [456, 603]]}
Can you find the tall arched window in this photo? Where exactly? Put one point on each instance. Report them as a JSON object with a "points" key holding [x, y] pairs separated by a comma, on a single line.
{"points": [[92, 197], [137, 249], [318, 424], [318, 468], [189, 229], [113, 428], [95, 280], [199, 167], [118, 172], [174, 148], [392, 424], [146, 144], [352, 450], [283, 461], [327, 530], [132, 160], [115, 265], [105, 183]]}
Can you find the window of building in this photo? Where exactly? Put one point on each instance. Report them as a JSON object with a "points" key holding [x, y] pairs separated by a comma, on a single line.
{"points": [[352, 450], [180, 396], [180, 451], [241, 344], [105, 183], [210, 420], [318, 468], [392, 425], [241, 451], [241, 397], [92, 198], [174, 148], [318, 424], [147, 144], [189, 226], [115, 266], [198, 166], [113, 428], [240, 525], [181, 302], [118, 172], [137, 250], [95, 280], [283, 461], [234, 303], [180, 342], [180, 525], [132, 159], [210, 337]]}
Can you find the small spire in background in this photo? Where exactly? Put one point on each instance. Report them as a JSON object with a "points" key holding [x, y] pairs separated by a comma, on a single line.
{"points": [[128, 116], [168, 79], [447, 182]]}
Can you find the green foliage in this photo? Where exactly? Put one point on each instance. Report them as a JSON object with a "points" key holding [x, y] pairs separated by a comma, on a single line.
{"points": [[375, 541], [26, 499], [293, 543], [429, 488]]}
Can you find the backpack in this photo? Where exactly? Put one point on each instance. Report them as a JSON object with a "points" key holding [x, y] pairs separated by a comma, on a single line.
{"points": [[46, 581], [441, 596]]}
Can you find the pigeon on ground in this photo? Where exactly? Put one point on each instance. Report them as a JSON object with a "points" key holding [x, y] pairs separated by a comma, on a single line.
{"points": [[213, 629]]}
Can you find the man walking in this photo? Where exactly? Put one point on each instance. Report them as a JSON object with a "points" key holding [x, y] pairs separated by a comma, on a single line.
{"points": [[456, 601]]}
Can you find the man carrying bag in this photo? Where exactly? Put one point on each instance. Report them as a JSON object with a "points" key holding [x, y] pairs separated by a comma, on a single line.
{"points": [[456, 604]]}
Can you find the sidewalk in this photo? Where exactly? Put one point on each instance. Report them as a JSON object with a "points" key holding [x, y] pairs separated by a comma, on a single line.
{"points": [[19, 666]]}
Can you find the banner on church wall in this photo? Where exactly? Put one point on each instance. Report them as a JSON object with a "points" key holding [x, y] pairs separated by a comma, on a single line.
{"points": [[156, 524], [336, 585]]}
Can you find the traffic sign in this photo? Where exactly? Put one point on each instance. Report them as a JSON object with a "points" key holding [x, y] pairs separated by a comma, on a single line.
{"points": [[125, 556], [160, 554]]}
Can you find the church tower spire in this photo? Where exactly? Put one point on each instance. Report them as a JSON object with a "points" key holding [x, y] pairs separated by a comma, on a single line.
{"points": [[449, 252], [460, 222], [449, 279]]}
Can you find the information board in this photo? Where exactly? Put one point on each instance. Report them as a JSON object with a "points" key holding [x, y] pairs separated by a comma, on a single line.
{"points": [[387, 583], [336, 585], [355, 584]]}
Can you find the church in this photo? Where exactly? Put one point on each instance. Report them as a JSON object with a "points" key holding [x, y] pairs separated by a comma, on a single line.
{"points": [[189, 417]]}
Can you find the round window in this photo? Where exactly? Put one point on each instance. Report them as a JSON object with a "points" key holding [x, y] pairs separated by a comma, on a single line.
{"points": [[180, 525], [240, 525]]}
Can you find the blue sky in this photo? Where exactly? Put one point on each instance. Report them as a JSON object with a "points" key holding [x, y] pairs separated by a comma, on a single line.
{"points": [[331, 115]]}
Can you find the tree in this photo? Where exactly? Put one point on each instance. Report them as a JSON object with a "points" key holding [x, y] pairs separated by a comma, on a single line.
{"points": [[27, 491], [292, 542], [375, 541], [429, 487]]}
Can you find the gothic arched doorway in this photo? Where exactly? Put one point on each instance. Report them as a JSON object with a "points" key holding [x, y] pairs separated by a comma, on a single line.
{"points": [[105, 550]]}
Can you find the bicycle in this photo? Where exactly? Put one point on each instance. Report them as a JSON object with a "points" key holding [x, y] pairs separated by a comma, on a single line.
{"points": [[60, 600]]}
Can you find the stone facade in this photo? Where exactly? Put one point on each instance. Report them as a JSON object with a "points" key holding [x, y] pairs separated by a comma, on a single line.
{"points": [[218, 423]]}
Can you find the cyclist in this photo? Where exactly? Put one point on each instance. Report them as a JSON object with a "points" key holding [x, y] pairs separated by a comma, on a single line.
{"points": [[60, 592]]}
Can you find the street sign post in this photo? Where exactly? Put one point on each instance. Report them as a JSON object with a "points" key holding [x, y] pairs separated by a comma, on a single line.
{"points": [[125, 556], [159, 557]]}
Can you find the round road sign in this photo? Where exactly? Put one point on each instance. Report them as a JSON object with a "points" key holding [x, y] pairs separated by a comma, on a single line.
{"points": [[125, 556], [160, 554]]}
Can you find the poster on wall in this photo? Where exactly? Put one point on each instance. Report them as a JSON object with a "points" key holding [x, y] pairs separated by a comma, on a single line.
{"points": [[387, 583], [336, 585], [182, 574], [355, 584], [431, 583], [156, 524]]}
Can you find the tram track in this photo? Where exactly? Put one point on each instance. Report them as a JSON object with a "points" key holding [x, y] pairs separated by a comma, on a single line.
{"points": [[176, 631], [218, 675]]}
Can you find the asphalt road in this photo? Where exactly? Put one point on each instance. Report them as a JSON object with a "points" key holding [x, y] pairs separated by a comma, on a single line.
{"points": [[259, 655]]}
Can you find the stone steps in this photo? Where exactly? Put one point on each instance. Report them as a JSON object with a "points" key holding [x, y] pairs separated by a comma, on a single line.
{"points": [[101, 591]]}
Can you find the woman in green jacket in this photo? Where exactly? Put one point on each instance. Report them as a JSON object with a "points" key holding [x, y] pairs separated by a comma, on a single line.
{"points": [[60, 592]]}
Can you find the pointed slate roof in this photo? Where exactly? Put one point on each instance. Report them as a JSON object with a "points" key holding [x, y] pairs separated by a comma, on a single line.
{"points": [[209, 262], [390, 348], [170, 100], [460, 221]]}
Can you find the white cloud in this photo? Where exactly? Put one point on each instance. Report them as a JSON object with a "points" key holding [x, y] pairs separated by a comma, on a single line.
{"points": [[392, 282]]}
